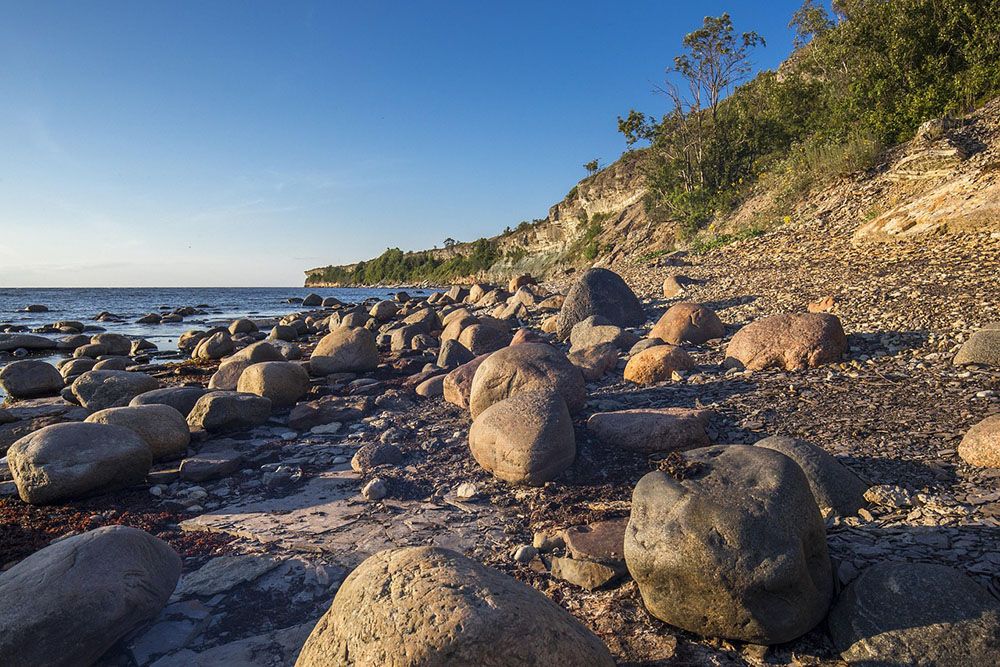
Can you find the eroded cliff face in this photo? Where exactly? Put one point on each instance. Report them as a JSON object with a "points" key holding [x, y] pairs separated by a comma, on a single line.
{"points": [[947, 179], [601, 210]]}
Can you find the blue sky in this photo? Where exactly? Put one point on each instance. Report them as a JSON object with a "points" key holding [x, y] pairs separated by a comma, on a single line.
{"points": [[239, 143]]}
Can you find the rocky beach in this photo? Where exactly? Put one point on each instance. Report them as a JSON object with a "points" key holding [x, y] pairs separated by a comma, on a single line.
{"points": [[732, 400], [555, 447]]}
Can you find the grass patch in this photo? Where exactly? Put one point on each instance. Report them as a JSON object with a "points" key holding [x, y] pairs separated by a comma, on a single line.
{"points": [[700, 246], [656, 254]]}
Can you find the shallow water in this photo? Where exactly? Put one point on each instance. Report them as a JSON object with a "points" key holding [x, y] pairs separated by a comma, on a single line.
{"points": [[224, 304]]}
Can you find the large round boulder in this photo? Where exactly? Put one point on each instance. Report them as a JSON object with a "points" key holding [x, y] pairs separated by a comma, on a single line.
{"points": [[114, 344], [228, 374], [229, 410], [30, 379], [283, 332], [526, 367], [735, 547], [113, 363], [916, 614], [161, 427], [596, 330], [982, 348], [66, 461], [401, 338], [74, 368], [457, 385], [981, 444], [67, 604], [791, 341], [834, 486], [97, 390], [345, 350], [13, 341], [434, 607], [484, 338], [216, 346], [453, 354], [599, 292], [657, 364], [242, 326], [688, 322], [181, 399], [456, 322], [284, 382], [595, 362], [525, 439], [383, 311]]}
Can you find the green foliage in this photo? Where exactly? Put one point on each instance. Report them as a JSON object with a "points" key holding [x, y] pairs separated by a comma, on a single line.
{"points": [[572, 192], [700, 246], [851, 88], [656, 254], [395, 267], [636, 127], [525, 225], [515, 255], [587, 245], [592, 166], [808, 21]]}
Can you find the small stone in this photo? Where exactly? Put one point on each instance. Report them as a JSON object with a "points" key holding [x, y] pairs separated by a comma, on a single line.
{"points": [[467, 491], [525, 553], [887, 495], [374, 490], [586, 574], [548, 541]]}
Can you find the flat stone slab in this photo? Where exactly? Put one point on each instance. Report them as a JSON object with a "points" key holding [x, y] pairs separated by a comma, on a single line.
{"points": [[587, 574], [223, 573], [329, 516], [273, 649], [601, 541]]}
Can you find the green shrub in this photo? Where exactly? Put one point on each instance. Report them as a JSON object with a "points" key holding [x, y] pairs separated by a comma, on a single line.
{"points": [[851, 87], [700, 246], [395, 266]]}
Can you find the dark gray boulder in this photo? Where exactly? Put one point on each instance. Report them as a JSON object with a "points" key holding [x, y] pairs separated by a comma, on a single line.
{"points": [[97, 390], [67, 604], [71, 460], [599, 292], [181, 399], [30, 379], [916, 614], [734, 548], [834, 485]]}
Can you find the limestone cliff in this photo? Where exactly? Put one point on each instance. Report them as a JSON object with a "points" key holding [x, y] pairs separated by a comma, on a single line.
{"points": [[946, 179], [587, 225]]}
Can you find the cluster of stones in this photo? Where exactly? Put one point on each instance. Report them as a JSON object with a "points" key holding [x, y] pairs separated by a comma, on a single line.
{"points": [[729, 542]]}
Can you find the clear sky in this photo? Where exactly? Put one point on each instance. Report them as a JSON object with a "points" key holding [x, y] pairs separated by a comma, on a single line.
{"points": [[238, 143]]}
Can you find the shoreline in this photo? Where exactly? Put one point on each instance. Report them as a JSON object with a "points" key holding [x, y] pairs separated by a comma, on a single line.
{"points": [[285, 501]]}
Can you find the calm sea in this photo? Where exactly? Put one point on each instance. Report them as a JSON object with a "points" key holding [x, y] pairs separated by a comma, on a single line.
{"points": [[222, 305]]}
